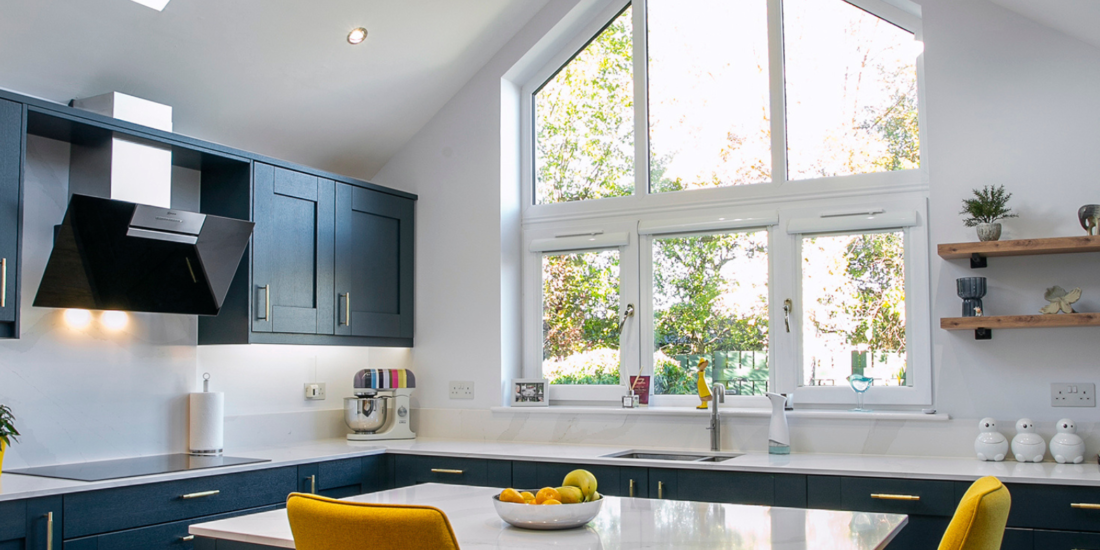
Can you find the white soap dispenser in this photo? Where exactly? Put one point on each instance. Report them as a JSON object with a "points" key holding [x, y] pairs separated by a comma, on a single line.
{"points": [[779, 435]]}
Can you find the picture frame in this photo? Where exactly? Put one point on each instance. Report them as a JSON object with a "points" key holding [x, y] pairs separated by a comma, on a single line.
{"points": [[530, 392]]}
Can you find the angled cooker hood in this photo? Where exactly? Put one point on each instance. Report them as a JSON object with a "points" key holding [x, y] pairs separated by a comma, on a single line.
{"points": [[112, 254], [121, 246]]}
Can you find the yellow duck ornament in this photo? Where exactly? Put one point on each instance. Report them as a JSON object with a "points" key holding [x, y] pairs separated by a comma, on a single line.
{"points": [[701, 383]]}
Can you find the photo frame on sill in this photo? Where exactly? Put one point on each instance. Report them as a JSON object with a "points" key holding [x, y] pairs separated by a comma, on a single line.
{"points": [[530, 392]]}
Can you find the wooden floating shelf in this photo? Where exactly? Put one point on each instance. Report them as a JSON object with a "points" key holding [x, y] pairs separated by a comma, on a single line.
{"points": [[1021, 321], [1020, 247]]}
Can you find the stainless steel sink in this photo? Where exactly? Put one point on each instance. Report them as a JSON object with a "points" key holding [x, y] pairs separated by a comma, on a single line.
{"points": [[674, 456]]}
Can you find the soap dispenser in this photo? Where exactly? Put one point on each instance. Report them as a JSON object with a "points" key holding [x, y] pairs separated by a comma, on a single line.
{"points": [[779, 436]]}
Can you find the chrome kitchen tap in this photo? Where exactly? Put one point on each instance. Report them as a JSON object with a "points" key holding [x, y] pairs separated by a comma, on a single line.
{"points": [[718, 391]]}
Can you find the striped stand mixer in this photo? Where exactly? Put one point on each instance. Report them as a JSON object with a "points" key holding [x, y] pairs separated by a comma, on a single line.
{"points": [[380, 408]]}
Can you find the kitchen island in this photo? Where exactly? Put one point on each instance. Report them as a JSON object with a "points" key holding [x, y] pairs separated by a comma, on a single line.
{"points": [[622, 523]]}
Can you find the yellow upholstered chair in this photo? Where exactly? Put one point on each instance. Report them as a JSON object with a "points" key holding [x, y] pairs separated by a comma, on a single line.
{"points": [[979, 522], [320, 523]]}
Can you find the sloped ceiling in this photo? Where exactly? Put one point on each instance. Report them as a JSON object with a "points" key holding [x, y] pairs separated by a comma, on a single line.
{"points": [[272, 76], [1077, 18]]}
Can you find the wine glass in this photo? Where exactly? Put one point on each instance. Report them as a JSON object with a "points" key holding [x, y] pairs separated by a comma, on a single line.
{"points": [[860, 384]]}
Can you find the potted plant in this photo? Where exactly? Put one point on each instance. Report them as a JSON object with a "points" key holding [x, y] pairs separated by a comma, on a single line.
{"points": [[8, 433], [989, 205]]}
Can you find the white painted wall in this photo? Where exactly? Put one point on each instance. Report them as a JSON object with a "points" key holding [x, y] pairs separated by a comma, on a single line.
{"points": [[1008, 101]]}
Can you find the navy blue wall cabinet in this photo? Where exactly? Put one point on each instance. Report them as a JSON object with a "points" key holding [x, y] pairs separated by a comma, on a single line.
{"points": [[11, 213]]}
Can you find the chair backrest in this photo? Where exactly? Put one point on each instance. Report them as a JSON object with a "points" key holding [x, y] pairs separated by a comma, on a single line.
{"points": [[979, 522], [320, 523]]}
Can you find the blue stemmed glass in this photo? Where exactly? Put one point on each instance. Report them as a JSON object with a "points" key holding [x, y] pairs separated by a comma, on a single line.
{"points": [[860, 384]]}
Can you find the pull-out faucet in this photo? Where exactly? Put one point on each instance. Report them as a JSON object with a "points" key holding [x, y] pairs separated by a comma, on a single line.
{"points": [[719, 393]]}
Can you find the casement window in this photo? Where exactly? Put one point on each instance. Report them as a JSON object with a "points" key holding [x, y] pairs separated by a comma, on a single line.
{"points": [[735, 181]]}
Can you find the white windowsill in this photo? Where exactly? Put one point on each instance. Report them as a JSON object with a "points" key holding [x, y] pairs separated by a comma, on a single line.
{"points": [[756, 412]]}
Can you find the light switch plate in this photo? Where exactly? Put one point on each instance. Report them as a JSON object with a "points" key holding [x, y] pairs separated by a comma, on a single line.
{"points": [[1076, 394], [462, 390], [315, 390]]}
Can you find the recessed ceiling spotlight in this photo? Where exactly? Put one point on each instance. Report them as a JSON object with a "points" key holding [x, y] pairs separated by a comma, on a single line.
{"points": [[357, 36], [155, 4]]}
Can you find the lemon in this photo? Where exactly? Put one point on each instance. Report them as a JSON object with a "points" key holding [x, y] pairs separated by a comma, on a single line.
{"points": [[583, 480], [510, 495], [551, 502], [527, 495], [547, 493]]}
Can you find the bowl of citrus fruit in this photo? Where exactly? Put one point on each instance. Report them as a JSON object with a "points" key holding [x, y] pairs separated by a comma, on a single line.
{"points": [[573, 504]]}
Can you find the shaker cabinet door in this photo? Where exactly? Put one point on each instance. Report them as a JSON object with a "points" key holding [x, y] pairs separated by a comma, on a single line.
{"points": [[374, 263], [293, 256], [11, 159]]}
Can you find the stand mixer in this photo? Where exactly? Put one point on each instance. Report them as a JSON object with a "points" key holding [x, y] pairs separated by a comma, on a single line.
{"points": [[380, 408]]}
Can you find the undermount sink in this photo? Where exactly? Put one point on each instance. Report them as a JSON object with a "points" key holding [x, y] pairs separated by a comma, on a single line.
{"points": [[679, 457]]}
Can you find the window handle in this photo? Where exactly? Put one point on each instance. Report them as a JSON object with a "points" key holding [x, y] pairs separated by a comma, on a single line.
{"points": [[626, 315], [787, 305]]}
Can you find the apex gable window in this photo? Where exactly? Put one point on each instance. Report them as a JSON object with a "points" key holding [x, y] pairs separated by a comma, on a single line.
{"points": [[750, 174]]}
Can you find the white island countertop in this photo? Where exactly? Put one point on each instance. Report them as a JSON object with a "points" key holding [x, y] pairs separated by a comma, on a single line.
{"points": [[621, 523], [14, 486]]}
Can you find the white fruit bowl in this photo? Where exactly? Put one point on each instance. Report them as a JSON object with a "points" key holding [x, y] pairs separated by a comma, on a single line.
{"points": [[558, 516]]}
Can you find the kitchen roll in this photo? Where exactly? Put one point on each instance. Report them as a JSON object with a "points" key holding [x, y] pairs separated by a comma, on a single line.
{"points": [[207, 422]]}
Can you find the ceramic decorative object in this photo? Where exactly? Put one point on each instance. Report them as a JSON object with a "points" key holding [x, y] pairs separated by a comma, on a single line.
{"points": [[1089, 216], [1060, 300], [1028, 446], [989, 231], [991, 445], [1066, 446], [701, 384], [971, 290]]}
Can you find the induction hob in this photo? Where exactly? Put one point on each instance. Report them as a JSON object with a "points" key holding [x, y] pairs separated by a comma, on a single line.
{"points": [[133, 467]]}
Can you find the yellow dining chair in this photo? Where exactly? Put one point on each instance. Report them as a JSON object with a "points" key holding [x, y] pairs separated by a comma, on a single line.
{"points": [[979, 522], [321, 523]]}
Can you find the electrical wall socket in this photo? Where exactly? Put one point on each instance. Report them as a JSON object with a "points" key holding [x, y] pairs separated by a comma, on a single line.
{"points": [[462, 390], [315, 390], [1073, 395]]}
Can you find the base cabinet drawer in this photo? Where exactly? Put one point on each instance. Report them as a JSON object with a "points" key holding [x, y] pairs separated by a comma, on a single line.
{"points": [[414, 470], [898, 496], [1054, 507], [1018, 539], [13, 521], [168, 536], [1066, 540], [96, 512]]}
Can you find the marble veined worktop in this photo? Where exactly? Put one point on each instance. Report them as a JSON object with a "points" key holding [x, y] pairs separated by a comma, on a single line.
{"points": [[621, 523], [14, 486]]}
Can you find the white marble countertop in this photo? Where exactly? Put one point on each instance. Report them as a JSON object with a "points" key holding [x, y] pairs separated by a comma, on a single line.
{"points": [[14, 486], [621, 523]]}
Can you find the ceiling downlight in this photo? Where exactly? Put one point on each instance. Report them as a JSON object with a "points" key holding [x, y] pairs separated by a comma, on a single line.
{"points": [[357, 36]]}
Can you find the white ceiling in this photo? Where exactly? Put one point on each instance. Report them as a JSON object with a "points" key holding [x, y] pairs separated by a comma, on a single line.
{"points": [[1077, 18], [272, 76]]}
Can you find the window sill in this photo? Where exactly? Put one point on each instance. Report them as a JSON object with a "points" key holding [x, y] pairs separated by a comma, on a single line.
{"points": [[756, 412]]}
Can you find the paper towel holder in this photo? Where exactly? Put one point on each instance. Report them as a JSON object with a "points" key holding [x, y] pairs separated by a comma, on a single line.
{"points": [[207, 417]]}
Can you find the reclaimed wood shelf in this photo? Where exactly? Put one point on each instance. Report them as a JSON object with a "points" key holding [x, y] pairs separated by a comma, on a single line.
{"points": [[979, 251], [1021, 321]]}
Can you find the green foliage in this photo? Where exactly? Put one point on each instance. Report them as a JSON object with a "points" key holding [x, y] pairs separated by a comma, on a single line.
{"points": [[988, 205], [8, 433], [580, 303], [898, 125], [876, 266]]}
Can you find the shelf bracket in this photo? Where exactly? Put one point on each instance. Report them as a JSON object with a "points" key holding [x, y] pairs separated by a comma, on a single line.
{"points": [[983, 334], [978, 261]]}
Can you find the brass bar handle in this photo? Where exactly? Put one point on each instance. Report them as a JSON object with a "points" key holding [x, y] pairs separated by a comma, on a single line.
{"points": [[446, 471], [347, 311], [632, 488], [267, 302], [313, 484], [190, 496], [188, 538], [3, 282], [660, 489], [883, 496], [1084, 506], [49, 531]]}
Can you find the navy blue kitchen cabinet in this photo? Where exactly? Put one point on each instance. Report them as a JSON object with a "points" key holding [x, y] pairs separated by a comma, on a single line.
{"points": [[31, 524], [343, 478], [11, 214], [13, 525], [416, 469], [728, 487], [164, 536], [374, 263]]}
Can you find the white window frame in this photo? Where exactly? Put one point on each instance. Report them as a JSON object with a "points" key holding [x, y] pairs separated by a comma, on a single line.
{"points": [[644, 214]]}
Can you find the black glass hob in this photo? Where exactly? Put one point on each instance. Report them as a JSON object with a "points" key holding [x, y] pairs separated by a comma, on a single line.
{"points": [[133, 467]]}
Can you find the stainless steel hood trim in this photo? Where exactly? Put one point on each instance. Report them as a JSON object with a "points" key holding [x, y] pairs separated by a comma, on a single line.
{"points": [[161, 236]]}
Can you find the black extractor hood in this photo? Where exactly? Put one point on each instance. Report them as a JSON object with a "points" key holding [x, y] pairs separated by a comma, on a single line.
{"points": [[117, 255]]}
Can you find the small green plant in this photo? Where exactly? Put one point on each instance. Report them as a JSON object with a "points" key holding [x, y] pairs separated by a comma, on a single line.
{"points": [[8, 433], [988, 205]]}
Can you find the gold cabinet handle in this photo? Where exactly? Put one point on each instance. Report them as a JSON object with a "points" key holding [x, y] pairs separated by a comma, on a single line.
{"points": [[883, 496], [49, 531], [267, 302], [313, 484], [446, 471], [200, 495], [3, 282], [347, 311], [632, 488], [1084, 506], [188, 538], [660, 489]]}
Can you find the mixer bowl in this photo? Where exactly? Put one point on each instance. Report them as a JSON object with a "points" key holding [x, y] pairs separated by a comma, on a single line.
{"points": [[365, 414]]}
